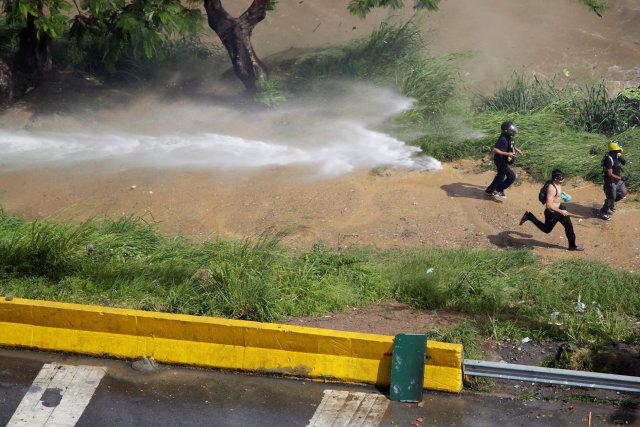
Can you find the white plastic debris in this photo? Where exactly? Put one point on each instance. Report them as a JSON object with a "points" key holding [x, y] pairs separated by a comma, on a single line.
{"points": [[580, 306]]}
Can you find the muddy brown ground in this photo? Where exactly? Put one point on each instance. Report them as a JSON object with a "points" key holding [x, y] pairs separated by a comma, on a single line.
{"points": [[384, 208]]}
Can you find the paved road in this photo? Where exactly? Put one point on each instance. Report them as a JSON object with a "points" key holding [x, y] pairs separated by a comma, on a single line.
{"points": [[38, 388]]}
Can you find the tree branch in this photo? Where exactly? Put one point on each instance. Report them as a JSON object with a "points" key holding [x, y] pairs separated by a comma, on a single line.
{"points": [[219, 19], [255, 13]]}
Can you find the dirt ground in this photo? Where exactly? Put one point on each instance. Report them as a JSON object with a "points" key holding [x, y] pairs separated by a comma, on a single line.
{"points": [[386, 208]]}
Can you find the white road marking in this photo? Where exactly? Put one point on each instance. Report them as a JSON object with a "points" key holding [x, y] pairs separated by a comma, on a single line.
{"points": [[342, 408], [57, 396]]}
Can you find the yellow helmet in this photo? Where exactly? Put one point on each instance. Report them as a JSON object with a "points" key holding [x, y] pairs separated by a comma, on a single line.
{"points": [[614, 146]]}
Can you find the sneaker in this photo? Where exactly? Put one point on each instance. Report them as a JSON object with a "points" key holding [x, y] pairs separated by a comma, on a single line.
{"points": [[605, 216], [490, 193], [524, 218], [577, 249], [500, 194]]}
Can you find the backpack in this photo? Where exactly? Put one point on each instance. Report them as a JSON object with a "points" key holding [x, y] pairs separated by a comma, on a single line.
{"points": [[542, 195]]}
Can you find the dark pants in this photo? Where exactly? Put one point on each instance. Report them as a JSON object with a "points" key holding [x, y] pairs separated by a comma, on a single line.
{"points": [[613, 192], [504, 178], [551, 218]]}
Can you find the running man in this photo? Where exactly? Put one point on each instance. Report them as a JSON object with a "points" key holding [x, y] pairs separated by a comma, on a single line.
{"points": [[554, 212], [504, 153]]}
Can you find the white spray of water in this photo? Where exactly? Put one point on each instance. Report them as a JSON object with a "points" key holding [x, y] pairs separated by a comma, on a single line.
{"points": [[329, 136]]}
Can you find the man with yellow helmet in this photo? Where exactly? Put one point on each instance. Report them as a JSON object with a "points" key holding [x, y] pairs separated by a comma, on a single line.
{"points": [[614, 187]]}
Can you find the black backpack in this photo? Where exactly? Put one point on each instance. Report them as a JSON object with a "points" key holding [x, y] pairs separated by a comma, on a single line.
{"points": [[542, 195]]}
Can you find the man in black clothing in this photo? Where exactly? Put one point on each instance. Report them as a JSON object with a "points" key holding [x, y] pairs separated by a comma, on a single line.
{"points": [[504, 152], [554, 212], [614, 188]]}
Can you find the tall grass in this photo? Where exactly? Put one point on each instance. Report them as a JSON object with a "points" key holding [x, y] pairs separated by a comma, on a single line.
{"points": [[446, 137], [466, 279], [132, 265], [588, 108], [391, 55], [566, 128], [596, 111], [518, 293], [550, 141], [41, 248], [521, 94]]}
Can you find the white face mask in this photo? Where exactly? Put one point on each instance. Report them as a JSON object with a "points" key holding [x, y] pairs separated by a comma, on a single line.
{"points": [[618, 154]]}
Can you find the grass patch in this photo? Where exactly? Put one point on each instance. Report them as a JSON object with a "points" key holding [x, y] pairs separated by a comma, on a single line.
{"points": [[549, 143], [594, 110], [126, 263], [502, 329], [526, 395], [565, 128], [130, 264], [391, 55], [462, 279], [468, 334], [521, 94], [587, 398]]}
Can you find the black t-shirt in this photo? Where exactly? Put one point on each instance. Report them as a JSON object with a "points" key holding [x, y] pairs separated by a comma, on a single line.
{"points": [[504, 143], [611, 161]]}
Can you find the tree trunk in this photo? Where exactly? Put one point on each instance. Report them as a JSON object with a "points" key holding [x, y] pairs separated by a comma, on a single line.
{"points": [[6, 82], [235, 34], [34, 54]]}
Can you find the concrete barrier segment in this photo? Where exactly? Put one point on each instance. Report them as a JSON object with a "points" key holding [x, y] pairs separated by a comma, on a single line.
{"points": [[266, 348]]}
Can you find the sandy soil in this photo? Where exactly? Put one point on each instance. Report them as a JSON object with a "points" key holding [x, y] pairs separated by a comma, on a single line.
{"points": [[385, 208]]}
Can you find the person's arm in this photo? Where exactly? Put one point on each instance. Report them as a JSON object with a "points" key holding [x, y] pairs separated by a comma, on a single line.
{"points": [[502, 153], [610, 174], [519, 151], [501, 147]]}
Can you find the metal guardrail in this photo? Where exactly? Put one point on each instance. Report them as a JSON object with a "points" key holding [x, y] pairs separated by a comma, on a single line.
{"points": [[509, 371]]}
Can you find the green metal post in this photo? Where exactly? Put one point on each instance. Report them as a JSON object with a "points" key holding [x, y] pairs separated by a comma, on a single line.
{"points": [[407, 367]]}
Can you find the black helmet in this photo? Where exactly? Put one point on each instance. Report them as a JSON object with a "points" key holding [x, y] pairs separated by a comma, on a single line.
{"points": [[557, 175], [509, 128]]}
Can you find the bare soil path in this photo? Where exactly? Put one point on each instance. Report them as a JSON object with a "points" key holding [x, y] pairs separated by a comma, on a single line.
{"points": [[387, 209]]}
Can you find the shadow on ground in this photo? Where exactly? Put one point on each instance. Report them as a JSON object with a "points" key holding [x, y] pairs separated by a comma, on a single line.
{"points": [[516, 239], [582, 211], [462, 189]]}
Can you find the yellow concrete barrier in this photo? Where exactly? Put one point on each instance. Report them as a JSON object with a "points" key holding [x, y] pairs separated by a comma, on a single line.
{"points": [[219, 343]]}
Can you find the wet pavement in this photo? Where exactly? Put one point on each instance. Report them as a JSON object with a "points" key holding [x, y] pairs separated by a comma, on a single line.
{"points": [[143, 394]]}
